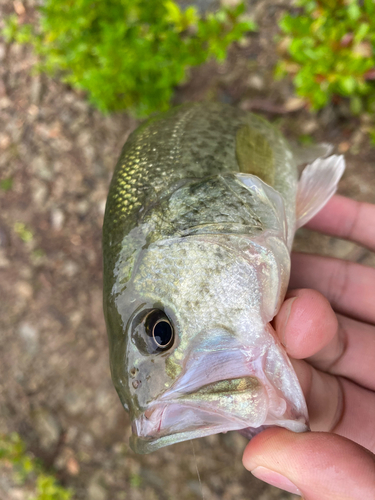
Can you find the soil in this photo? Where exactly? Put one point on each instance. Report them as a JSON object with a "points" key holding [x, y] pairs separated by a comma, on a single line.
{"points": [[59, 154]]}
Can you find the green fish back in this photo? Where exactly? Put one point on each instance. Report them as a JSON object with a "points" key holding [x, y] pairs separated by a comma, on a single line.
{"points": [[191, 142]]}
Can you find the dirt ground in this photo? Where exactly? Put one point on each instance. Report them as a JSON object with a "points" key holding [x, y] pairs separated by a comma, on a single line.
{"points": [[55, 386]]}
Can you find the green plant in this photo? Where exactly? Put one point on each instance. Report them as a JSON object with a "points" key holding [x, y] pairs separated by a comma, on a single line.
{"points": [[135, 480], [330, 52], [26, 468], [6, 184], [127, 54], [23, 232]]}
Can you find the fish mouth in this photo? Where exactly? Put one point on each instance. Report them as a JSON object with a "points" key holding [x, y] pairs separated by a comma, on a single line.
{"points": [[241, 404], [246, 388], [213, 408]]}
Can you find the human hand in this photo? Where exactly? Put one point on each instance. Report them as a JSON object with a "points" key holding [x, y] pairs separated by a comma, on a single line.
{"points": [[331, 344]]}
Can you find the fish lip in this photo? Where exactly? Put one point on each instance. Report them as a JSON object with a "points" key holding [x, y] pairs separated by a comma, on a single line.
{"points": [[152, 421], [141, 443], [144, 444], [148, 436]]}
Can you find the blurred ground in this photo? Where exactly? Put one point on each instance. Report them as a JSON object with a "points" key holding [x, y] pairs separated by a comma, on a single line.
{"points": [[56, 156]]}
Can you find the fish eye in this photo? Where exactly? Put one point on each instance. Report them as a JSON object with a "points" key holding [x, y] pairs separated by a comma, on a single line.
{"points": [[152, 331], [160, 329]]}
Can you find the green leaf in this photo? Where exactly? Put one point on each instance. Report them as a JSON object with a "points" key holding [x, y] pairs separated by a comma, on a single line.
{"points": [[363, 30], [25, 234], [354, 11], [10, 29], [347, 84]]}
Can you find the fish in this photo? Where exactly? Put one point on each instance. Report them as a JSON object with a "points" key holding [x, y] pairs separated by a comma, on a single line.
{"points": [[198, 228]]}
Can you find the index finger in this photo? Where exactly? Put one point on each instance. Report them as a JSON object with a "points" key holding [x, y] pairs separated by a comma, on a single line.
{"points": [[308, 328], [348, 219]]}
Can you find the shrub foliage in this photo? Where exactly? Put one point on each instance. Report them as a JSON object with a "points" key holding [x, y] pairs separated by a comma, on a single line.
{"points": [[127, 54], [331, 52]]}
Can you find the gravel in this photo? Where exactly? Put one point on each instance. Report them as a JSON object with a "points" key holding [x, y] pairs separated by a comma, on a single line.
{"points": [[55, 385]]}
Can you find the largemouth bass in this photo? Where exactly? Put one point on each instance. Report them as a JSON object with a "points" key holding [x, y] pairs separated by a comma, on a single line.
{"points": [[199, 223]]}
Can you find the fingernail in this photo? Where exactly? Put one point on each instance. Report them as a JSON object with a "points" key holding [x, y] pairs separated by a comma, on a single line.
{"points": [[275, 479], [289, 303]]}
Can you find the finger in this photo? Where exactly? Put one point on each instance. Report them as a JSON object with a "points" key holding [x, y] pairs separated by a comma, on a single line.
{"points": [[350, 353], [338, 405], [305, 323], [357, 421], [321, 466], [346, 218], [348, 286], [308, 328]]}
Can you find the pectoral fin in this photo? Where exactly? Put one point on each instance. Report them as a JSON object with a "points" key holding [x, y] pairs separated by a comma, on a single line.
{"points": [[254, 154], [318, 183]]}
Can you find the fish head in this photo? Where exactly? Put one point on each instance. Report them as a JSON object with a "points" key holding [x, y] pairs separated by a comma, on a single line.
{"points": [[192, 349]]}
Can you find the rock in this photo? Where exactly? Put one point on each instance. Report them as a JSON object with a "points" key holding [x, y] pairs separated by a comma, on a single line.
{"points": [[38, 192], [71, 434], [33, 112], [30, 336], [70, 268], [72, 466], [20, 493], [151, 477], [41, 168], [96, 490], [48, 428], [101, 206], [68, 461], [4, 141], [327, 116], [57, 219], [294, 104], [75, 401], [343, 147], [234, 441], [28, 332], [102, 400], [4, 261], [230, 3], [309, 126], [82, 207], [4, 240], [36, 89], [195, 487], [5, 102], [213, 440], [87, 439], [24, 289], [255, 82]]}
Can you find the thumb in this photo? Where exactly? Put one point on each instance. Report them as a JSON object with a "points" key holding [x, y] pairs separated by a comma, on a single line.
{"points": [[317, 465]]}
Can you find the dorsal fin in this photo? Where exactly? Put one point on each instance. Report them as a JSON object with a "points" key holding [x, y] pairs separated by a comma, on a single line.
{"points": [[254, 154], [308, 154]]}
